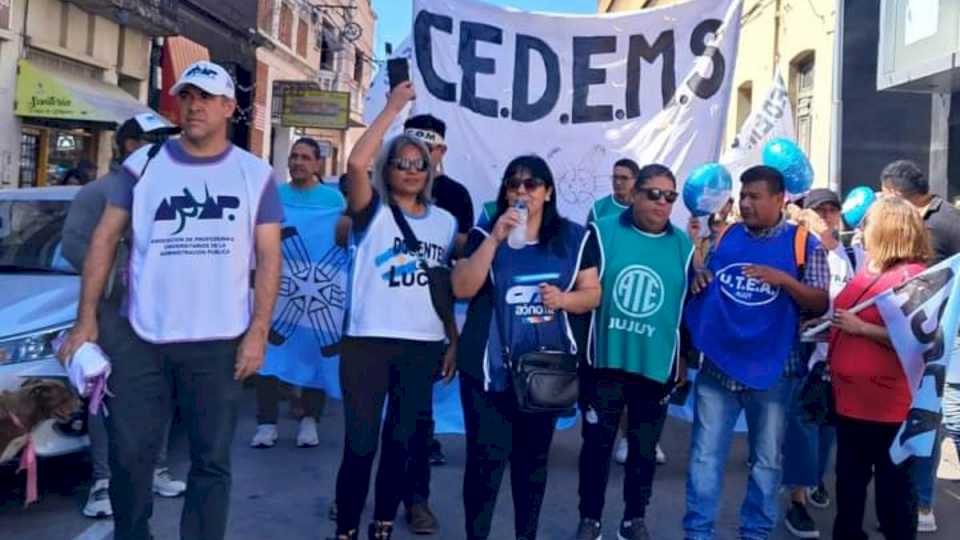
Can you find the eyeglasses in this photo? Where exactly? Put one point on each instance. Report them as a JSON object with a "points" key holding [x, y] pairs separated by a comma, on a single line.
{"points": [[415, 165], [529, 184], [655, 194]]}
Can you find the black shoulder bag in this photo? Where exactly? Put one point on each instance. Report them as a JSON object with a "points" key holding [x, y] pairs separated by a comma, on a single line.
{"points": [[544, 381], [438, 277]]}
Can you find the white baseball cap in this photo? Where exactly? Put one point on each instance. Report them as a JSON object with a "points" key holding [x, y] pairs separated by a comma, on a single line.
{"points": [[207, 76]]}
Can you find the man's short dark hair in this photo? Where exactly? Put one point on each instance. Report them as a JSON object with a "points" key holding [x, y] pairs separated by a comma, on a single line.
{"points": [[762, 173], [312, 143], [629, 164], [426, 122], [906, 177], [651, 171]]}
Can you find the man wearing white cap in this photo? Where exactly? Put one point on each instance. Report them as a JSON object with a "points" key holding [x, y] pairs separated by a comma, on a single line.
{"points": [[203, 215], [85, 212]]}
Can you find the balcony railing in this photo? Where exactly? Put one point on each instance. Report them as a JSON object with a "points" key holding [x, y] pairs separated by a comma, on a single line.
{"points": [[152, 17]]}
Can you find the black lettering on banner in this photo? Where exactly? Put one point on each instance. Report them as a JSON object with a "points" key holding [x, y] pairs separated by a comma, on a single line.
{"points": [[523, 110], [641, 51], [706, 87], [423, 47], [584, 77], [471, 65], [919, 290]]}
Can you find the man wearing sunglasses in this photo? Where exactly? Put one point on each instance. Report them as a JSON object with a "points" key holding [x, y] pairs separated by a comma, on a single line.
{"points": [[624, 179], [633, 351], [453, 197], [761, 276]]}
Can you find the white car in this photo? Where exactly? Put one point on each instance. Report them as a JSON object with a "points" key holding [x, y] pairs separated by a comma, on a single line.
{"points": [[39, 291]]}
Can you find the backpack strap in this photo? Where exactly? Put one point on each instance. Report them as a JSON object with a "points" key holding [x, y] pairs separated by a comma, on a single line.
{"points": [[800, 249]]}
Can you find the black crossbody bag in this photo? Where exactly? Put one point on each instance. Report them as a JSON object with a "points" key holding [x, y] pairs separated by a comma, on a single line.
{"points": [[544, 381]]}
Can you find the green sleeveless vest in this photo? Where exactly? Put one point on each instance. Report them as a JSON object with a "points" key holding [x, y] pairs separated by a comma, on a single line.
{"points": [[644, 280]]}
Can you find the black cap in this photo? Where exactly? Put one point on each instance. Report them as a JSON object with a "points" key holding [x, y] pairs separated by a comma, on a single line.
{"points": [[820, 196]]}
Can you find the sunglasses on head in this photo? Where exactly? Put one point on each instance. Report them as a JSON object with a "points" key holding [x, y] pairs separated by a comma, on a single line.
{"points": [[416, 165], [529, 184], [655, 194]]}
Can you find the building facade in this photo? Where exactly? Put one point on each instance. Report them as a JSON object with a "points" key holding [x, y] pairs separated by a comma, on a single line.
{"points": [[70, 71], [319, 49], [827, 52]]}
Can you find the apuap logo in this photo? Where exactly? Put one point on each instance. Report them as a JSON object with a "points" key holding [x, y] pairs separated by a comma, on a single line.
{"points": [[638, 291], [745, 290]]}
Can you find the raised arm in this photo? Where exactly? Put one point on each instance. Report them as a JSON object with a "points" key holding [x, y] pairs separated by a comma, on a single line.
{"points": [[358, 188]]}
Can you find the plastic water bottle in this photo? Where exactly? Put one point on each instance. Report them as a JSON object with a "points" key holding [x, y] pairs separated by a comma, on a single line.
{"points": [[518, 236]]}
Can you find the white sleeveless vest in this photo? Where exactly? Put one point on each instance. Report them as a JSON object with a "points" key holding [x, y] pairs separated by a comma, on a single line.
{"points": [[193, 245], [389, 294]]}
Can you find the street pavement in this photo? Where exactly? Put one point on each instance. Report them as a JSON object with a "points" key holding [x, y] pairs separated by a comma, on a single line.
{"points": [[284, 493]]}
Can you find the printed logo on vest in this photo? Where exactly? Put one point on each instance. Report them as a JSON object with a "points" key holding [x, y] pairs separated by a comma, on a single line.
{"points": [[638, 291], [186, 207], [526, 299], [745, 290]]}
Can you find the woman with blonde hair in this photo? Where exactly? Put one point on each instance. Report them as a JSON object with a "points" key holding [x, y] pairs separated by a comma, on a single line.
{"points": [[869, 385]]}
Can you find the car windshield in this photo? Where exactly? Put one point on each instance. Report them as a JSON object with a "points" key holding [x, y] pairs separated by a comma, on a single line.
{"points": [[30, 236]]}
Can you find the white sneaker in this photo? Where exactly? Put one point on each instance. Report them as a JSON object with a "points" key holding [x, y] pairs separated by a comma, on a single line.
{"points": [[307, 436], [98, 502], [926, 522], [165, 486], [620, 451], [265, 437], [661, 457]]}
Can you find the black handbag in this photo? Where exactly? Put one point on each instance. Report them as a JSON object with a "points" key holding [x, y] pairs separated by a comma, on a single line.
{"points": [[816, 396], [544, 381], [438, 277]]}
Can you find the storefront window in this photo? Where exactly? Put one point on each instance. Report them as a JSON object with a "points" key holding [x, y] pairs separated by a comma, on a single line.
{"points": [[71, 158]]}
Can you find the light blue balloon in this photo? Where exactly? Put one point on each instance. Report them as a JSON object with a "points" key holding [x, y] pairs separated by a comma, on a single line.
{"points": [[856, 205], [707, 189], [785, 156]]}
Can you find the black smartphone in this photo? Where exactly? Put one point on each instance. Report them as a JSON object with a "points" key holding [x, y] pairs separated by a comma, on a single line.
{"points": [[398, 71]]}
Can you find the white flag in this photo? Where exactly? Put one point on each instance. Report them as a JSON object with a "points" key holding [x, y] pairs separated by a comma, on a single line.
{"points": [[921, 317]]}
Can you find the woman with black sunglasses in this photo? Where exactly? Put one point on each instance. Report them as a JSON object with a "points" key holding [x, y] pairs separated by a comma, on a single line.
{"points": [[393, 338], [520, 299]]}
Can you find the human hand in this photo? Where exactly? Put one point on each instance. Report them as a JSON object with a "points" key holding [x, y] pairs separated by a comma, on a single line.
{"points": [[82, 332], [506, 223], [253, 347], [701, 281], [552, 296], [770, 276]]}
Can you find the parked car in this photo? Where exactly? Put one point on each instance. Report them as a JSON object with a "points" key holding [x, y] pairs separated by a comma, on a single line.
{"points": [[39, 292]]}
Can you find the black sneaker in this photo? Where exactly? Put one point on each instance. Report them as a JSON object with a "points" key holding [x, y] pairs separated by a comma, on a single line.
{"points": [[436, 453], [799, 522], [589, 529], [635, 529], [380, 530], [819, 497]]}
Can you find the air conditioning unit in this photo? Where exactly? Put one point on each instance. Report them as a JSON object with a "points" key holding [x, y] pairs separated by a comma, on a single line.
{"points": [[919, 46]]}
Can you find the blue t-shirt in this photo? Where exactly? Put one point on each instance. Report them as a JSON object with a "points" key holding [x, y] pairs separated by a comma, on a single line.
{"points": [[317, 196], [512, 288]]}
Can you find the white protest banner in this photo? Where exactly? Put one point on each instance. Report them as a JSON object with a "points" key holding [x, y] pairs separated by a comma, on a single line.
{"points": [[580, 91], [772, 120]]}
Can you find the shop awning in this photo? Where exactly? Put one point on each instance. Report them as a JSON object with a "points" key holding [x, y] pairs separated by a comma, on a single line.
{"points": [[178, 53], [46, 94]]}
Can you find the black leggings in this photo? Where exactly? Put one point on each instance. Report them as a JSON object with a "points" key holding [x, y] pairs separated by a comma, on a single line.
{"points": [[497, 433], [370, 370]]}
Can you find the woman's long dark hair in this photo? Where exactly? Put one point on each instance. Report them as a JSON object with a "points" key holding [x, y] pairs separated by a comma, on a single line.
{"points": [[552, 222]]}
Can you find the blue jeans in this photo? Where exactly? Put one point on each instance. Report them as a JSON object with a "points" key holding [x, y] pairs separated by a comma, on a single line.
{"points": [[807, 447], [715, 415]]}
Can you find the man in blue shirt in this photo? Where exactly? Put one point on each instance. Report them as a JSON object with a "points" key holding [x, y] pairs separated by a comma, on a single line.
{"points": [[760, 278]]}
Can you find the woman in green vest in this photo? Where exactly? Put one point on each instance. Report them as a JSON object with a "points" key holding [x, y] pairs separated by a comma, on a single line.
{"points": [[634, 347]]}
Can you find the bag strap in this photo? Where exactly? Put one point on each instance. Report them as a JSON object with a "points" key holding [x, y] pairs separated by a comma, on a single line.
{"points": [[800, 249], [409, 237], [151, 153]]}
